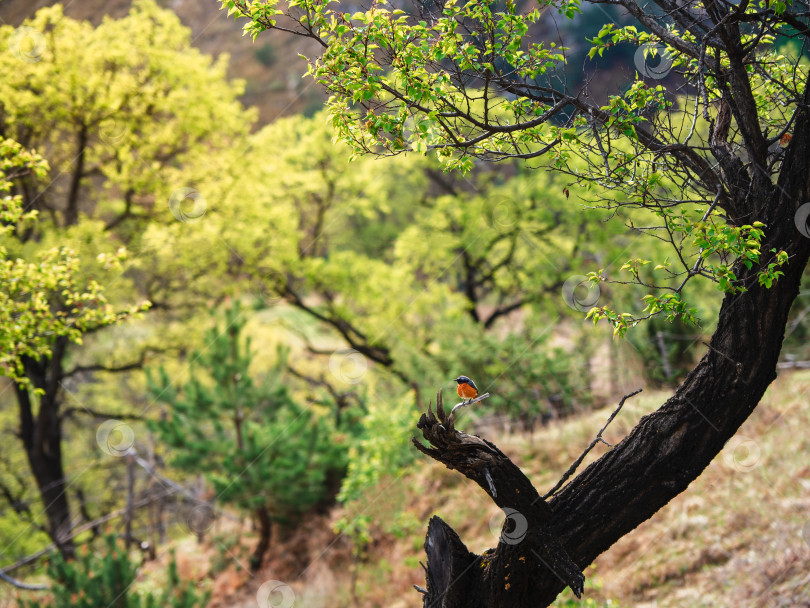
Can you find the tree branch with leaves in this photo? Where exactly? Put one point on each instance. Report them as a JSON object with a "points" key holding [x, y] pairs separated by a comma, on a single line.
{"points": [[718, 169]]}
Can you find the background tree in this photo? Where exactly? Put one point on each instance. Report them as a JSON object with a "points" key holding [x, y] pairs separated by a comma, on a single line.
{"points": [[126, 114], [723, 170], [471, 259], [46, 305], [262, 451]]}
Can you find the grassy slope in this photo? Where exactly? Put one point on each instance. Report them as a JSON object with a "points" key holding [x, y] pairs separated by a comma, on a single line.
{"points": [[734, 538]]}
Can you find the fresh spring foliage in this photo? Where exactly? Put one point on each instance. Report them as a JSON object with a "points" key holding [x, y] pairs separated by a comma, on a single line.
{"points": [[47, 298], [128, 106], [469, 80]]}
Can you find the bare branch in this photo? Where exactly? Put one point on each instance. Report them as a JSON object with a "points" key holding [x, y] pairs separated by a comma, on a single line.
{"points": [[112, 369], [21, 585], [572, 469], [72, 411], [465, 404]]}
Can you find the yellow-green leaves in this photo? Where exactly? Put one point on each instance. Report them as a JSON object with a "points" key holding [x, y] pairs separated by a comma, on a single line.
{"points": [[49, 297], [128, 113], [386, 61], [16, 162], [770, 273], [132, 95]]}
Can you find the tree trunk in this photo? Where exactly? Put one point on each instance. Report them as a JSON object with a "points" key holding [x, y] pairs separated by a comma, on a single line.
{"points": [[265, 531], [503, 577], [71, 214], [42, 440], [129, 513], [660, 457]]}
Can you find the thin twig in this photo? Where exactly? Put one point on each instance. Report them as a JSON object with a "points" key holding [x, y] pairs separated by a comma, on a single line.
{"points": [[466, 403], [22, 585], [721, 353], [167, 488], [596, 440]]}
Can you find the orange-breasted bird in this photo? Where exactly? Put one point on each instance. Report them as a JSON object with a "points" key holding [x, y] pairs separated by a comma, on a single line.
{"points": [[466, 388]]}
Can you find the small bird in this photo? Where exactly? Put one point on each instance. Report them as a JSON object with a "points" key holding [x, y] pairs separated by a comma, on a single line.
{"points": [[466, 388]]}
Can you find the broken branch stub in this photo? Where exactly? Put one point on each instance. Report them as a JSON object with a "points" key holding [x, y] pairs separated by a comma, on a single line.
{"points": [[527, 554]]}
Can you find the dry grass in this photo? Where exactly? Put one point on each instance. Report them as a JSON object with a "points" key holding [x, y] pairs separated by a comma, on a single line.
{"points": [[735, 537]]}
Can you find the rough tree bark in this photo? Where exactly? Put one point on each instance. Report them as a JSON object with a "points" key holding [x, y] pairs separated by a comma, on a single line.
{"points": [[41, 436], [661, 456], [456, 577]]}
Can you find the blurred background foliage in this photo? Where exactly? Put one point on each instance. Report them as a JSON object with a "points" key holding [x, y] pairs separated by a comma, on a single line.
{"points": [[265, 316], [108, 579]]}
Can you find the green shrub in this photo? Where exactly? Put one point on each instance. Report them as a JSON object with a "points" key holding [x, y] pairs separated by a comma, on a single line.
{"points": [[261, 450], [106, 581]]}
